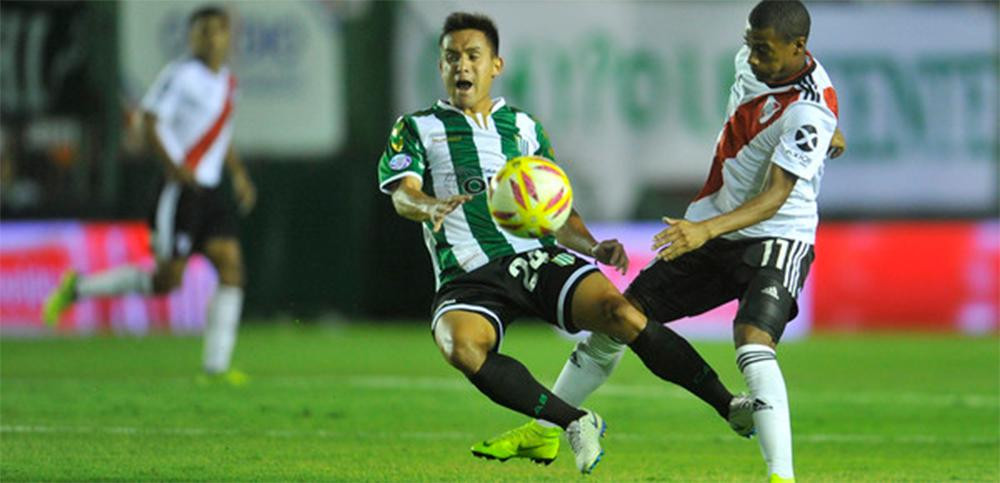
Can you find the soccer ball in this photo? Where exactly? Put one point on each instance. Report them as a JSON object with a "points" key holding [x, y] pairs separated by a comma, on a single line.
{"points": [[530, 197]]}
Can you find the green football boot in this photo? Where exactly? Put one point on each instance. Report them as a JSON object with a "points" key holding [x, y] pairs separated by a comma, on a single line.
{"points": [[60, 299], [777, 479], [532, 440], [232, 377]]}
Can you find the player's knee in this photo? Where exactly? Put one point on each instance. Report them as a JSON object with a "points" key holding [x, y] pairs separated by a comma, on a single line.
{"points": [[231, 274], [620, 318], [763, 313], [165, 282], [464, 350]]}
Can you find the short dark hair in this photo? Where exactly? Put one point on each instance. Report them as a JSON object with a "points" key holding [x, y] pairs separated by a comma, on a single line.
{"points": [[475, 21], [787, 17], [207, 11]]}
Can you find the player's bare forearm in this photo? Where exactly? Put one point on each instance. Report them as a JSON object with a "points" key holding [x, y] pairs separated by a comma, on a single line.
{"points": [[235, 164], [758, 208], [412, 203], [575, 235], [245, 191], [685, 236]]}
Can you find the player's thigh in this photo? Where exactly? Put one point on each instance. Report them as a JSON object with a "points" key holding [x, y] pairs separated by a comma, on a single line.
{"points": [[175, 221], [464, 338], [599, 307], [226, 256], [694, 283], [543, 282], [218, 218]]}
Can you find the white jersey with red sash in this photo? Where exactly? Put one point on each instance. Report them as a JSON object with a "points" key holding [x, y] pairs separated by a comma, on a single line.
{"points": [[789, 124], [194, 110]]}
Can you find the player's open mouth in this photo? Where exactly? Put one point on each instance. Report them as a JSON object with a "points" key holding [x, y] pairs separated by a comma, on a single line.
{"points": [[463, 85]]}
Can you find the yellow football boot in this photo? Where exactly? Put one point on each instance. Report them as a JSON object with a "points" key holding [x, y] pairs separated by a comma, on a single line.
{"points": [[532, 440]]}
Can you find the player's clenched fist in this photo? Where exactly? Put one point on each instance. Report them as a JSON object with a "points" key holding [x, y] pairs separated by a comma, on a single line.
{"points": [[611, 252]]}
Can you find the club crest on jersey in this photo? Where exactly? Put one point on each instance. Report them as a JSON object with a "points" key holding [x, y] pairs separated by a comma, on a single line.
{"points": [[771, 106], [400, 162], [806, 138]]}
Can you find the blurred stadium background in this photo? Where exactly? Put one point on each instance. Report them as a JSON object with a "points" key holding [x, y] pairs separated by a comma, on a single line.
{"points": [[631, 92]]}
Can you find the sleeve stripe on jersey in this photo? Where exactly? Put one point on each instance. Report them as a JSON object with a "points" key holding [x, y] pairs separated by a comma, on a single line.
{"points": [[383, 186], [808, 86]]}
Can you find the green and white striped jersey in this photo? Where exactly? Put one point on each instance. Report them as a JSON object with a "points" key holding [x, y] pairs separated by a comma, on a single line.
{"points": [[454, 154]]}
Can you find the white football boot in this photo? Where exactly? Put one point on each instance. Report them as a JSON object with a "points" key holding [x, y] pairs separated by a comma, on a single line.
{"points": [[584, 437], [741, 415]]}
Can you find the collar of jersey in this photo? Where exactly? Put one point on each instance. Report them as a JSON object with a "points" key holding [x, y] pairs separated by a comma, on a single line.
{"points": [[498, 104], [794, 79]]}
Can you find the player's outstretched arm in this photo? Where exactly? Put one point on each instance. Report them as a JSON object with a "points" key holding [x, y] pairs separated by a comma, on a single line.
{"points": [[575, 236], [413, 204], [684, 236]]}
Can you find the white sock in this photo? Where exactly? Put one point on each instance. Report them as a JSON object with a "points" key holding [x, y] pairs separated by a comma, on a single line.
{"points": [[767, 386], [590, 364], [220, 327], [117, 281]]}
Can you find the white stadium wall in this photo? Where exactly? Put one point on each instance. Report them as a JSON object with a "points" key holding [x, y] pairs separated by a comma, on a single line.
{"points": [[288, 56], [633, 93]]}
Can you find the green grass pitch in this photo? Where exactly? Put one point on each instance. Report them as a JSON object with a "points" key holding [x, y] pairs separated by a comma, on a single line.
{"points": [[376, 402]]}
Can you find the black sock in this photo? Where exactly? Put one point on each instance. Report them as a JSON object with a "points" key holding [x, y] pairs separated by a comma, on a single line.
{"points": [[508, 383], [672, 358]]}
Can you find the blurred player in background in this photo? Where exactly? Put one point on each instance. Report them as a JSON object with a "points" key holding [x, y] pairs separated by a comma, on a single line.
{"points": [[436, 168], [748, 235], [189, 123]]}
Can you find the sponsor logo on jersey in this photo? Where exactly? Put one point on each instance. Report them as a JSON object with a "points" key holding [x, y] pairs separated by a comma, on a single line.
{"points": [[400, 162], [474, 186], [806, 138], [564, 259], [795, 154]]}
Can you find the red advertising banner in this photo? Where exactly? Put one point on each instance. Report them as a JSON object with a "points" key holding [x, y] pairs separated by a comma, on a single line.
{"points": [[932, 276], [939, 276], [33, 255]]}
